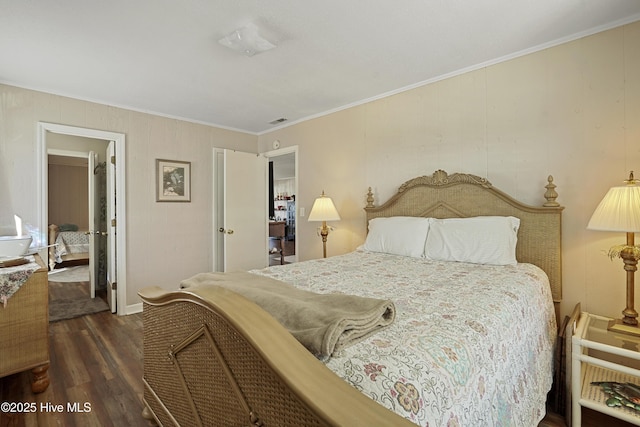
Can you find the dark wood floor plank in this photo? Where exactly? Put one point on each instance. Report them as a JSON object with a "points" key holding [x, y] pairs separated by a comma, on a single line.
{"points": [[113, 335], [75, 371]]}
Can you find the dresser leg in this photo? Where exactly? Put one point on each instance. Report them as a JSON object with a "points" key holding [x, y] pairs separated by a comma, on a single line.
{"points": [[40, 380]]}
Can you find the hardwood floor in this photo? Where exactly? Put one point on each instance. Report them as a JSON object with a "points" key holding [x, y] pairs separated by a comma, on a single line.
{"points": [[590, 418], [95, 372]]}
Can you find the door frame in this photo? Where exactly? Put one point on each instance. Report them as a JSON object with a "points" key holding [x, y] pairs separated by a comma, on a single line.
{"points": [[281, 152], [43, 202]]}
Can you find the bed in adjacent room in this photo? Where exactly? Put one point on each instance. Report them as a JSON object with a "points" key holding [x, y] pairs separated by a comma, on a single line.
{"points": [[68, 245], [472, 276]]}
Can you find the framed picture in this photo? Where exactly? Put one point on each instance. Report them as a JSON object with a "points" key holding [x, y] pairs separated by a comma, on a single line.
{"points": [[173, 181]]}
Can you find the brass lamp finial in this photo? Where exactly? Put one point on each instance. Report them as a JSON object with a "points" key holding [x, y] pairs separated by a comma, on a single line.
{"points": [[631, 180]]}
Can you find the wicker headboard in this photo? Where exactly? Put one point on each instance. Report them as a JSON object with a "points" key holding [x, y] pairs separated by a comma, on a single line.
{"points": [[462, 195]]}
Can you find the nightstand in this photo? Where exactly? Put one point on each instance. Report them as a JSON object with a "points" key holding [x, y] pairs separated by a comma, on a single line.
{"points": [[600, 355]]}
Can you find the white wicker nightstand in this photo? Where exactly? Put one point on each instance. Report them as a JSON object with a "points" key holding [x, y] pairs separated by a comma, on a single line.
{"points": [[601, 355]]}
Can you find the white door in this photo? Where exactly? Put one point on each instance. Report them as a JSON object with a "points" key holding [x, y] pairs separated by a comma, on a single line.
{"points": [[111, 227], [240, 210], [94, 222]]}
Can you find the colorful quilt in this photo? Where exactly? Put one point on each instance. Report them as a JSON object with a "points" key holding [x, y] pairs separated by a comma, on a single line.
{"points": [[472, 345]]}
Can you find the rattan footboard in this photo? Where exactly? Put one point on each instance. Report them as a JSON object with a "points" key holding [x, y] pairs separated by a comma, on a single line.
{"points": [[213, 358]]}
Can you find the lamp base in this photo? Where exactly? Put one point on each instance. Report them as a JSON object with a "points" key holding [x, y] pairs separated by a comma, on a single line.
{"points": [[616, 325]]}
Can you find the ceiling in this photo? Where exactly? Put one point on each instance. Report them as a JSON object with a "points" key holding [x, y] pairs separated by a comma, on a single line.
{"points": [[162, 56]]}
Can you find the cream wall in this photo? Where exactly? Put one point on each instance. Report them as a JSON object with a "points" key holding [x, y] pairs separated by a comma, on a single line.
{"points": [[166, 242], [68, 195], [572, 111]]}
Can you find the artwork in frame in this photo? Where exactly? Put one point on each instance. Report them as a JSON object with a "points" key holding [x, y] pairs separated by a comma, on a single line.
{"points": [[173, 181]]}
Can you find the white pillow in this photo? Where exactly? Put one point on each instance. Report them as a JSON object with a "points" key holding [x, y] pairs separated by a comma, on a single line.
{"points": [[398, 235], [479, 240]]}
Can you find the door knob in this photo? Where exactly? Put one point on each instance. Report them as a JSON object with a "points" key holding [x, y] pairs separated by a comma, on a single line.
{"points": [[222, 230]]}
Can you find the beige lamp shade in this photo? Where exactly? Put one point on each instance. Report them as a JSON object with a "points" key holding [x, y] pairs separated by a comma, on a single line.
{"points": [[323, 210], [619, 210]]}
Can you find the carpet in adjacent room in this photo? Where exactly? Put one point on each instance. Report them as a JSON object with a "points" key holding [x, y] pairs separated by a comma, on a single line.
{"points": [[69, 294]]}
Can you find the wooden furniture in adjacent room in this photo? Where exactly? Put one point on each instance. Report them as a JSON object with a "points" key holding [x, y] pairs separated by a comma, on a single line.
{"points": [[277, 230], [600, 355], [24, 330]]}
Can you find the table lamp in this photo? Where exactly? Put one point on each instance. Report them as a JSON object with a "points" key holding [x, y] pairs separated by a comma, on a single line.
{"points": [[324, 210], [619, 210]]}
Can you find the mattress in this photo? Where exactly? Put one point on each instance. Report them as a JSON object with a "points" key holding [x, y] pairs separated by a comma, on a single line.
{"points": [[471, 344]]}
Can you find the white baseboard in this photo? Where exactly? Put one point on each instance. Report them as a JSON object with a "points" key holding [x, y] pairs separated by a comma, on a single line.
{"points": [[133, 309]]}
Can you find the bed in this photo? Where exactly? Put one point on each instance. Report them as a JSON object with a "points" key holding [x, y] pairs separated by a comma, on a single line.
{"points": [[68, 246], [472, 343]]}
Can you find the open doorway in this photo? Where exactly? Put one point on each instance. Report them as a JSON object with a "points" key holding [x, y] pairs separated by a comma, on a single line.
{"points": [[77, 217], [48, 133], [283, 213]]}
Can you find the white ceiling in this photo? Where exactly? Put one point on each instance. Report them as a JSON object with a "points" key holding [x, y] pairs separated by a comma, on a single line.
{"points": [[162, 56]]}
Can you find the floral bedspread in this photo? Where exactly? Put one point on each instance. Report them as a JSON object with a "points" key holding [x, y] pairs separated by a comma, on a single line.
{"points": [[472, 345]]}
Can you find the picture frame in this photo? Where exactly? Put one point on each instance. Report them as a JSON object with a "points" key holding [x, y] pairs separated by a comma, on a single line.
{"points": [[173, 181]]}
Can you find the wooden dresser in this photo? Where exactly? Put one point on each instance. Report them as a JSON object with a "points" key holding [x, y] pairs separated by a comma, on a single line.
{"points": [[277, 230], [24, 330]]}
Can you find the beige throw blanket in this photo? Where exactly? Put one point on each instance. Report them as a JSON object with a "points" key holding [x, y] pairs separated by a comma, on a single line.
{"points": [[323, 323]]}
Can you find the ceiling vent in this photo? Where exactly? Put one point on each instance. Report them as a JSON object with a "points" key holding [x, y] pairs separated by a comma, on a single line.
{"points": [[278, 121]]}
